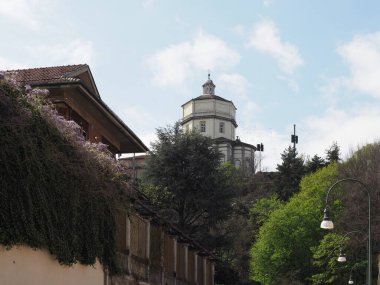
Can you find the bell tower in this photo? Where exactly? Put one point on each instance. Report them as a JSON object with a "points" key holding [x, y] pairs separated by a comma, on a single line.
{"points": [[210, 114], [214, 116]]}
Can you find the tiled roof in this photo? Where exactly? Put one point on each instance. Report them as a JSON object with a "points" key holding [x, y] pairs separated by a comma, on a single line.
{"points": [[209, 96], [55, 74]]}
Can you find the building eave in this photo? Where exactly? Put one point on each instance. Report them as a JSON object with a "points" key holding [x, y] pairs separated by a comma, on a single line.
{"points": [[140, 146], [213, 97]]}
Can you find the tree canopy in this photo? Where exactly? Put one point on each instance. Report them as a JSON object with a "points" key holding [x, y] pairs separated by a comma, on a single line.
{"points": [[333, 153], [328, 270], [290, 172], [314, 164], [184, 178], [282, 249]]}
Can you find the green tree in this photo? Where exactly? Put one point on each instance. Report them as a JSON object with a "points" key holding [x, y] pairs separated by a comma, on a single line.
{"points": [[184, 179], [333, 153], [290, 173], [282, 249], [328, 269], [262, 209], [314, 164], [232, 237]]}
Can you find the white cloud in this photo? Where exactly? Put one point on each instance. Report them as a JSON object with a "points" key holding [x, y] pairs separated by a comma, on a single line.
{"points": [[268, 3], [246, 113], [77, 51], [235, 84], [362, 55], [293, 84], [138, 117], [274, 144], [26, 12], [142, 122], [7, 64], [148, 138], [239, 30], [265, 38], [349, 128], [148, 3], [174, 64]]}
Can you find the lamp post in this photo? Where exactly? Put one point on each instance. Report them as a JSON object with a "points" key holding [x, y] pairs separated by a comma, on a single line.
{"points": [[328, 224]]}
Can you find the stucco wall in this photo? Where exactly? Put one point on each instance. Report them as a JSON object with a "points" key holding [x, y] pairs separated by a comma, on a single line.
{"points": [[188, 109], [23, 265]]}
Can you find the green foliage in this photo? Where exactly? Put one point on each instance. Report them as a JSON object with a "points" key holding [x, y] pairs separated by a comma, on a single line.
{"points": [[282, 248], [184, 178], [263, 208], [290, 173], [333, 153], [53, 195], [233, 238], [328, 269], [314, 164]]}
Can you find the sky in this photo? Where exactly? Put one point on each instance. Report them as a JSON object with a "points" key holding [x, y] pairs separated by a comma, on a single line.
{"points": [[315, 64]]}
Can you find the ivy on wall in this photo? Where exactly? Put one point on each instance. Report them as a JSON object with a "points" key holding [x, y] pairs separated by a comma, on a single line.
{"points": [[53, 194]]}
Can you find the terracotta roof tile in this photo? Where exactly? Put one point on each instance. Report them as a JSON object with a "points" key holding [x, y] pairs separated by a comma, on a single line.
{"points": [[54, 74]]}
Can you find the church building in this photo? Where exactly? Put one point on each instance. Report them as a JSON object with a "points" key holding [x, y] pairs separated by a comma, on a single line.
{"points": [[215, 117]]}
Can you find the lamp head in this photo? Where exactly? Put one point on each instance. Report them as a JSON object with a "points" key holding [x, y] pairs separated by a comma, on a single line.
{"points": [[342, 257], [327, 222], [350, 281]]}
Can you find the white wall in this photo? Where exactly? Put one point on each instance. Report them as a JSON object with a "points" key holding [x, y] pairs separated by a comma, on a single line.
{"points": [[215, 109], [188, 109], [23, 265]]}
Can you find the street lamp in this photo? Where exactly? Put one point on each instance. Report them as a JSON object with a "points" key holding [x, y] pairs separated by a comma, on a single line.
{"points": [[341, 257], [328, 224], [350, 281]]}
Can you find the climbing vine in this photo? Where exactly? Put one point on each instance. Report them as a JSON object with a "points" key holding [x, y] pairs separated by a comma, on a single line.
{"points": [[56, 191]]}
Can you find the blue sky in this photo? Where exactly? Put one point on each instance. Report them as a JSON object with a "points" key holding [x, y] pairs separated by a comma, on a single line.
{"points": [[311, 63]]}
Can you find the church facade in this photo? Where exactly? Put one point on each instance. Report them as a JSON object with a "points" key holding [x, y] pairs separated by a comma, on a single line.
{"points": [[215, 117]]}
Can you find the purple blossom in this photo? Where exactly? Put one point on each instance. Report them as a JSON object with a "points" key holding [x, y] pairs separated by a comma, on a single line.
{"points": [[69, 129], [28, 88], [11, 78], [72, 131]]}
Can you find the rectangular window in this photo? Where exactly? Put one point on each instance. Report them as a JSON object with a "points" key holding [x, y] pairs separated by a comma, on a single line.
{"points": [[221, 127], [203, 126]]}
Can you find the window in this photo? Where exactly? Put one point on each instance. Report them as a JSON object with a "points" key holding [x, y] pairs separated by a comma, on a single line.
{"points": [[221, 127], [203, 126]]}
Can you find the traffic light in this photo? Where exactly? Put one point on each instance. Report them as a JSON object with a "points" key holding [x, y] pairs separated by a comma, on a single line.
{"points": [[260, 147]]}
